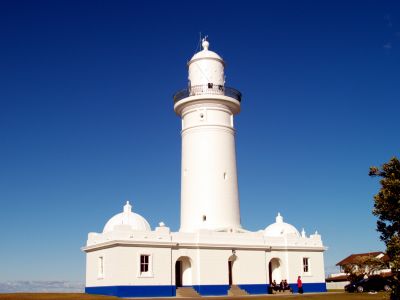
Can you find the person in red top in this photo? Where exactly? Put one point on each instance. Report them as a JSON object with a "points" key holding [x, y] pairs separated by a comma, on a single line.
{"points": [[299, 285]]}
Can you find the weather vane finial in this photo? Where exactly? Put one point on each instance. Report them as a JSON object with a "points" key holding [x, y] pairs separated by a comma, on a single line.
{"points": [[205, 43]]}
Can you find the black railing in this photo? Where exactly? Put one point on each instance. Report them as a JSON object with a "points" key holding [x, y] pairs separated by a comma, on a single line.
{"points": [[208, 89]]}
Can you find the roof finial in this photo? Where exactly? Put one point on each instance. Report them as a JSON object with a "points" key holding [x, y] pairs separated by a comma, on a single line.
{"points": [[279, 218], [127, 207], [205, 43]]}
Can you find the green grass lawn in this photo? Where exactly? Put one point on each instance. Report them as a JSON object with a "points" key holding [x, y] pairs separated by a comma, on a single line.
{"points": [[78, 296]]}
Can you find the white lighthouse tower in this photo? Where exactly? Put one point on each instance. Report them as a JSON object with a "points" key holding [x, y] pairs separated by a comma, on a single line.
{"points": [[211, 254], [209, 187]]}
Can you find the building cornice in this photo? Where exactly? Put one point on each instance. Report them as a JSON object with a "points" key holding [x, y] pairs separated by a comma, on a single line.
{"points": [[175, 245]]}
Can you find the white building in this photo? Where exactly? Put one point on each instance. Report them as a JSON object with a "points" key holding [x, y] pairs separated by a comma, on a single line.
{"points": [[211, 253]]}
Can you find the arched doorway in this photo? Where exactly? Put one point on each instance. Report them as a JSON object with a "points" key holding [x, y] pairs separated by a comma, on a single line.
{"points": [[183, 272], [231, 261], [275, 270]]}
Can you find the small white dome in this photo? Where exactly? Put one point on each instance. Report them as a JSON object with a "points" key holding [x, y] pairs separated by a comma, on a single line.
{"points": [[206, 54], [127, 217], [280, 228]]}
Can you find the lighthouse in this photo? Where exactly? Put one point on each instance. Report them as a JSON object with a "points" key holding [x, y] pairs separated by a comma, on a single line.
{"points": [[212, 254], [209, 184]]}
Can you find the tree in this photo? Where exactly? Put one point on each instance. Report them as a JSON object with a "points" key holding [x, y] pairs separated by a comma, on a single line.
{"points": [[387, 209]]}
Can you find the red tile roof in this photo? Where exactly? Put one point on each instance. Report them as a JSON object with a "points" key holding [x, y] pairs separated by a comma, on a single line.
{"points": [[351, 259]]}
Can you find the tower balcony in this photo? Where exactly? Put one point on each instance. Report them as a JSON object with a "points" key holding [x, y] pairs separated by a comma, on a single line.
{"points": [[208, 89]]}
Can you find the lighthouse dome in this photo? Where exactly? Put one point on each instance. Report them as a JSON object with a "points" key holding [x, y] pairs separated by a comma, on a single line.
{"points": [[205, 53], [206, 72], [280, 228], [129, 218]]}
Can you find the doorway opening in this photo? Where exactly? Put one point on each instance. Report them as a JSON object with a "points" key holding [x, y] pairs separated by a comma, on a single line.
{"points": [[183, 272], [275, 270], [230, 264]]}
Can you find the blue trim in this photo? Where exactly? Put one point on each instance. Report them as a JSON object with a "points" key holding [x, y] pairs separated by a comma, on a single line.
{"points": [[255, 288], [212, 289], [310, 287], [133, 290], [204, 290], [218, 290]]}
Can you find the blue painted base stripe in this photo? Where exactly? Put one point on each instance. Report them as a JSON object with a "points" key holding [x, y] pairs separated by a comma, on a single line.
{"points": [[255, 288], [310, 287], [212, 289], [204, 290], [133, 291]]}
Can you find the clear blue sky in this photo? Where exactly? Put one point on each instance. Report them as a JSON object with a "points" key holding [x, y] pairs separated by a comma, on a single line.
{"points": [[87, 120]]}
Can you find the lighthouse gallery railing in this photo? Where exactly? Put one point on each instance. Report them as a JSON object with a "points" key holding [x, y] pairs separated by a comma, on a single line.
{"points": [[209, 89]]}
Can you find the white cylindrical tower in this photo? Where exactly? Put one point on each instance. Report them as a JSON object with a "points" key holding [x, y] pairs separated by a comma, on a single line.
{"points": [[209, 186]]}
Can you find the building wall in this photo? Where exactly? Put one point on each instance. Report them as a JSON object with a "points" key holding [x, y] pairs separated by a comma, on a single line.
{"points": [[336, 285], [204, 269], [314, 280], [210, 271], [122, 267]]}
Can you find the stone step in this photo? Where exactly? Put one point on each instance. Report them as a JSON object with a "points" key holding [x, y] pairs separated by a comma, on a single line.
{"points": [[282, 292], [236, 291], [186, 292]]}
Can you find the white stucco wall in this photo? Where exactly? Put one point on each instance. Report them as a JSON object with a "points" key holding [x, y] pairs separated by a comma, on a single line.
{"points": [[336, 285], [204, 257], [250, 267], [316, 266], [122, 266], [209, 189]]}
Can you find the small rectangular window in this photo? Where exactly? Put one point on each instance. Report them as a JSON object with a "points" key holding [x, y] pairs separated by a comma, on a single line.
{"points": [[100, 269], [305, 264], [144, 263]]}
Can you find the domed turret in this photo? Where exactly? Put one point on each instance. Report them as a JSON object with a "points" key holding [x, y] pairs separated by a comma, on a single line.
{"points": [[205, 54], [206, 68], [280, 228], [207, 82], [129, 219]]}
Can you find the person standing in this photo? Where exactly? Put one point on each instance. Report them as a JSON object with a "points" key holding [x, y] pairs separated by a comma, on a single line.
{"points": [[299, 285]]}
